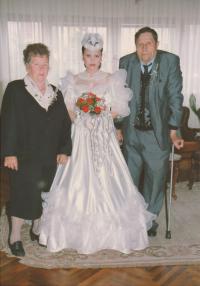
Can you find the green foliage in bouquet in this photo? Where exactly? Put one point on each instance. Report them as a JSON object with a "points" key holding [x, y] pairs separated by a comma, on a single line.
{"points": [[193, 106]]}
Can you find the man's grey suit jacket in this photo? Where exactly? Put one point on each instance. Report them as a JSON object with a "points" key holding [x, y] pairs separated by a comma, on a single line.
{"points": [[165, 94]]}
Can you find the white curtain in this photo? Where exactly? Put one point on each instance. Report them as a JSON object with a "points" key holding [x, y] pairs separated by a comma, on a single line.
{"points": [[61, 24]]}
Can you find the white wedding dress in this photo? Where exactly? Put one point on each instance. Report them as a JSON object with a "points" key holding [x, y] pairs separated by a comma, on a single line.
{"points": [[93, 203]]}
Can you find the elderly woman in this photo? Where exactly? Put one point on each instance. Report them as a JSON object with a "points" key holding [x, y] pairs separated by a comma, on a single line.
{"points": [[36, 136]]}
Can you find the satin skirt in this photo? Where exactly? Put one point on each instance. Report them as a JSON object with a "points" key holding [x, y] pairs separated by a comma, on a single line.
{"points": [[93, 203]]}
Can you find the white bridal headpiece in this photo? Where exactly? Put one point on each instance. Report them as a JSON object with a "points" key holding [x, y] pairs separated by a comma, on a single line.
{"points": [[92, 41]]}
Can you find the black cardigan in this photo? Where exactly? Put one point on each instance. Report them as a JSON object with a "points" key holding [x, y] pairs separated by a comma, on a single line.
{"points": [[28, 131]]}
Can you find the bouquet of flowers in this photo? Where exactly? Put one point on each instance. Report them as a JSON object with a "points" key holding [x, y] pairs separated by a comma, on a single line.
{"points": [[88, 102]]}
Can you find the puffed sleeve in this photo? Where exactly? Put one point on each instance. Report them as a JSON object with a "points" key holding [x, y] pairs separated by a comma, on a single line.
{"points": [[67, 86], [120, 93]]}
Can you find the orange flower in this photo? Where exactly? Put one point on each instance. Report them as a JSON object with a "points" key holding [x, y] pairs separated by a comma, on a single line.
{"points": [[80, 102], [90, 94], [90, 101]]}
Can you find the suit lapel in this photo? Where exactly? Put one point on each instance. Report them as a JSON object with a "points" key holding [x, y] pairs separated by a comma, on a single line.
{"points": [[154, 78], [135, 76], [154, 101]]}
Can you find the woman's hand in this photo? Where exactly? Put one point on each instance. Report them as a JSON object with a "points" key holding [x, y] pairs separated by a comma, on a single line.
{"points": [[119, 136], [72, 115], [11, 162], [114, 114], [62, 159]]}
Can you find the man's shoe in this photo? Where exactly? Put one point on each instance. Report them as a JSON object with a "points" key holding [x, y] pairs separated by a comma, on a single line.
{"points": [[17, 248], [153, 230]]}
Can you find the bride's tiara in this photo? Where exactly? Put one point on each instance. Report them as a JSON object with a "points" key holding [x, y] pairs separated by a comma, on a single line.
{"points": [[92, 41]]}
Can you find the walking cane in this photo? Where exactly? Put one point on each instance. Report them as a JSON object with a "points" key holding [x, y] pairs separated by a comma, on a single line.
{"points": [[169, 202]]}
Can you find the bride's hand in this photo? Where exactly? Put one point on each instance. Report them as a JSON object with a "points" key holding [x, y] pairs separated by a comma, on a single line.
{"points": [[119, 136], [62, 159], [114, 114], [72, 115]]}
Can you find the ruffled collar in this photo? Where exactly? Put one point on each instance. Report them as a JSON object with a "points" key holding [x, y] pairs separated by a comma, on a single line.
{"points": [[44, 100], [99, 75]]}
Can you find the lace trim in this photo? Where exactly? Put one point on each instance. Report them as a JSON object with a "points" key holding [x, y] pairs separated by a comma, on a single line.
{"points": [[44, 100], [100, 127]]}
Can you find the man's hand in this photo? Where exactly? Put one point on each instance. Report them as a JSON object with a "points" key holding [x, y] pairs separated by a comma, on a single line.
{"points": [[177, 141], [11, 162], [62, 159]]}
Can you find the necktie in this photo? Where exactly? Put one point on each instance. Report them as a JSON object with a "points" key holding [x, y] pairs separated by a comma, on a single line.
{"points": [[146, 67], [145, 82]]}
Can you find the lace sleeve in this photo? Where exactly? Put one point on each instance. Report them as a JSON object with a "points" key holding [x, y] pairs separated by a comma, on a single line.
{"points": [[67, 86], [121, 94]]}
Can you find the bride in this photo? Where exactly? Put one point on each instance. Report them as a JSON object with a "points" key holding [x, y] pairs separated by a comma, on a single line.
{"points": [[93, 203]]}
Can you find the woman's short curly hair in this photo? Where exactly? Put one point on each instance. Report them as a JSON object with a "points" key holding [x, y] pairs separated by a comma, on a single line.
{"points": [[34, 50]]}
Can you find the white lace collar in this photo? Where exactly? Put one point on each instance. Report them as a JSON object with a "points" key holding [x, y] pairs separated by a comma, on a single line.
{"points": [[44, 100]]}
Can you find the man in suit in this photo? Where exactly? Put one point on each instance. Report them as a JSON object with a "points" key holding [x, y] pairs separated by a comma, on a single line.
{"points": [[156, 107]]}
